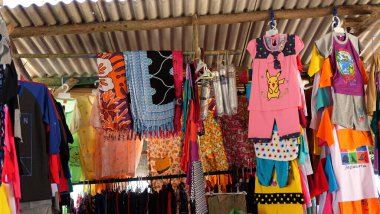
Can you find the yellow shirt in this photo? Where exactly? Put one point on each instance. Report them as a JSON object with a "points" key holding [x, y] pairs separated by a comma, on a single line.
{"points": [[87, 136], [316, 62], [4, 206]]}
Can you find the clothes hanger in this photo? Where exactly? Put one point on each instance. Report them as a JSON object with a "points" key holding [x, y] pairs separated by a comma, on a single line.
{"points": [[207, 74], [64, 94], [337, 26], [336, 23], [272, 25]]}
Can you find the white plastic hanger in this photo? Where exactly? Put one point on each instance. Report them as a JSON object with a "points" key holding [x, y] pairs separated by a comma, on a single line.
{"points": [[200, 65], [338, 29], [64, 95], [207, 74], [273, 30]]}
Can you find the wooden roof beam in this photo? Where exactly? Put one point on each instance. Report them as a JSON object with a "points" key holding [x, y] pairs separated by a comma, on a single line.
{"points": [[20, 68], [187, 21], [354, 22], [368, 23]]}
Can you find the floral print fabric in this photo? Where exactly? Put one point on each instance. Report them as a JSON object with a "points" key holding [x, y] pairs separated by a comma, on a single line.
{"points": [[160, 149], [240, 152], [211, 146], [113, 99]]}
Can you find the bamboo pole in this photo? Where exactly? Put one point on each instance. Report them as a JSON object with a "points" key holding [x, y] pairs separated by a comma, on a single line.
{"points": [[83, 55], [195, 37], [187, 21]]}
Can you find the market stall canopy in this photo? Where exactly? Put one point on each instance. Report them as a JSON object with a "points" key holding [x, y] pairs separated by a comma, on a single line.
{"points": [[88, 27]]}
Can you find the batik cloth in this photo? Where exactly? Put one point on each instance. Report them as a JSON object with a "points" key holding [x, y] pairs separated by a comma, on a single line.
{"points": [[151, 85], [211, 146], [113, 99], [240, 152], [117, 153], [167, 152]]}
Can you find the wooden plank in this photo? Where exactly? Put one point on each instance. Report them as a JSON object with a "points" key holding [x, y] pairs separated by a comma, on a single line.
{"points": [[20, 68], [187, 21], [354, 22], [56, 81], [93, 55]]}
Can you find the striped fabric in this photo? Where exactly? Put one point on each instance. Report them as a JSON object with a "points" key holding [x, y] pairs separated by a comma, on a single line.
{"points": [[197, 195]]}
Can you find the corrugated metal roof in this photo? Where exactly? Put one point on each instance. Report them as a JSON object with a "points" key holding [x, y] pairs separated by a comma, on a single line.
{"points": [[212, 37]]}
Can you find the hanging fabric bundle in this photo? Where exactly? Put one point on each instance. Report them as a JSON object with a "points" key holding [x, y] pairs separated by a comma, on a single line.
{"points": [[178, 81], [205, 97], [232, 91], [114, 106], [224, 87], [218, 94], [151, 84], [190, 161]]}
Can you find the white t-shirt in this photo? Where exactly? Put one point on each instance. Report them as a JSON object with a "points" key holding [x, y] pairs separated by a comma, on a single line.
{"points": [[353, 172]]}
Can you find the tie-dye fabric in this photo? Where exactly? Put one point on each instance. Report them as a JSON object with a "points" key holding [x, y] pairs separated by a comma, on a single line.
{"points": [[114, 105]]}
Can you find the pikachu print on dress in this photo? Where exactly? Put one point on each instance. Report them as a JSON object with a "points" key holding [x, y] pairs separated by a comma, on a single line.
{"points": [[274, 85]]}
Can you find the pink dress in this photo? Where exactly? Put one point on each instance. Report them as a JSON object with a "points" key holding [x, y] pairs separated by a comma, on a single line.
{"points": [[275, 87]]}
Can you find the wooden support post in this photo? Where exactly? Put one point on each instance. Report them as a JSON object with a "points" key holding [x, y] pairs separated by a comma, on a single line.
{"points": [[187, 21]]}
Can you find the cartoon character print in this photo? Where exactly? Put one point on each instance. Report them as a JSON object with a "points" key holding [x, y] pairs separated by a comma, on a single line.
{"points": [[274, 85], [345, 65]]}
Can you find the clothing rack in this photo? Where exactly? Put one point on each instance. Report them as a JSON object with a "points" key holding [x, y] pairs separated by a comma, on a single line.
{"points": [[161, 177], [93, 55]]}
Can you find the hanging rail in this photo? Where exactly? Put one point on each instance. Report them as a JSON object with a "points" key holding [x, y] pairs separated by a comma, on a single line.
{"points": [[159, 177], [83, 55]]}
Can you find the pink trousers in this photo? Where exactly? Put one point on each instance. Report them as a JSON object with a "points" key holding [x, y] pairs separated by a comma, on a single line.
{"points": [[260, 126]]}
